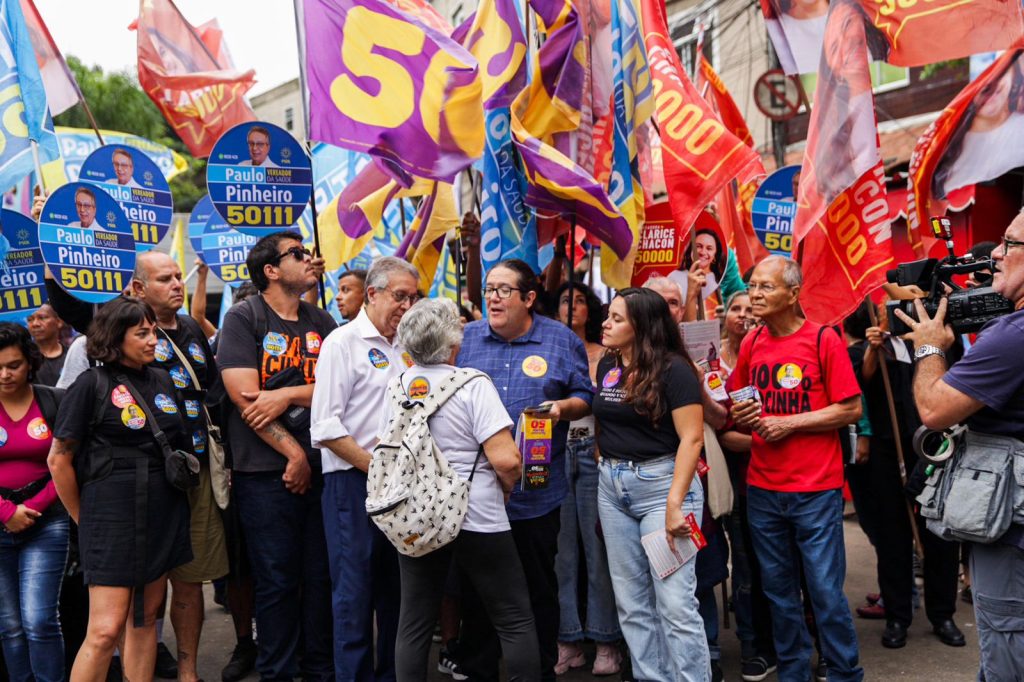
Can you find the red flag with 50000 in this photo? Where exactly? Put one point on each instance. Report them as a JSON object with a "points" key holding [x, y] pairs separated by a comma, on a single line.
{"points": [[190, 79]]}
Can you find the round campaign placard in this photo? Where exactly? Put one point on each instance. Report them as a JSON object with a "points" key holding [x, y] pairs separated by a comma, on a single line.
{"points": [[259, 178], [137, 184], [87, 242], [774, 208], [219, 246], [22, 289]]}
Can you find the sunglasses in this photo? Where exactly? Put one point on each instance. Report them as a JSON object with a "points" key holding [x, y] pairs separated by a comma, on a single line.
{"points": [[298, 252]]}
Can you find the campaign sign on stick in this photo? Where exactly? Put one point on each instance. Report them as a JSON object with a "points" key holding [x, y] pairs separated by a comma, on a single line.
{"points": [[22, 289], [259, 178], [87, 242], [774, 208], [135, 181], [219, 246]]}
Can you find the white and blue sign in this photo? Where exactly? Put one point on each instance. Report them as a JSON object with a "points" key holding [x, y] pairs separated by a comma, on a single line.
{"points": [[22, 289], [218, 245], [259, 178], [774, 209], [137, 184], [87, 242]]}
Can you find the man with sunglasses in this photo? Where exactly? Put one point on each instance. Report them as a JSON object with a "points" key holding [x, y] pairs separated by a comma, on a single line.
{"points": [[357, 362], [985, 390], [268, 351]]}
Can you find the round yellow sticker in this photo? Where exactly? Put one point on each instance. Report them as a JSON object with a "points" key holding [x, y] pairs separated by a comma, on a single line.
{"points": [[133, 417], [535, 366], [789, 375]]}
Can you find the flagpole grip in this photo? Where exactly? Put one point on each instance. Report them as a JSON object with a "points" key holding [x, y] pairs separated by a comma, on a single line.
{"points": [[38, 165]]}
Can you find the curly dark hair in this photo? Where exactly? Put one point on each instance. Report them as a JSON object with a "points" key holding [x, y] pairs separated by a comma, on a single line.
{"points": [[112, 321], [657, 340], [15, 335], [595, 311]]}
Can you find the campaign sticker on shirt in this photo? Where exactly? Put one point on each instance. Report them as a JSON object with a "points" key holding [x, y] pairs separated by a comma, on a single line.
{"points": [[121, 396], [419, 388], [535, 366], [192, 409], [3, 436], [275, 344], [133, 417], [199, 442], [179, 376], [313, 342], [38, 429], [789, 375], [407, 359], [165, 403], [197, 353], [378, 359], [163, 351], [611, 379]]}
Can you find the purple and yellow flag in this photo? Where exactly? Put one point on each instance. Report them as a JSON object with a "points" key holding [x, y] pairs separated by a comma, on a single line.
{"points": [[384, 83], [424, 242], [495, 37]]}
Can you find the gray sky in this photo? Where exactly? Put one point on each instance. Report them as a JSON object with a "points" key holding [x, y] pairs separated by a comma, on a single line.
{"points": [[260, 35]]}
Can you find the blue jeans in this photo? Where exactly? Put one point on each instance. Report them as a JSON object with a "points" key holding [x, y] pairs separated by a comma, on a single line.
{"points": [[31, 570], [788, 528], [365, 579], [659, 618], [579, 519], [284, 534]]}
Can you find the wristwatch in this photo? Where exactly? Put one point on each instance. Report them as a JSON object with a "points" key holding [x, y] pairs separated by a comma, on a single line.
{"points": [[926, 350]]}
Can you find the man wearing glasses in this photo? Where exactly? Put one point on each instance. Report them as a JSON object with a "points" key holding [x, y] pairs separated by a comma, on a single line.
{"points": [[268, 352], [533, 361], [985, 390], [124, 168], [85, 207], [357, 362], [258, 140]]}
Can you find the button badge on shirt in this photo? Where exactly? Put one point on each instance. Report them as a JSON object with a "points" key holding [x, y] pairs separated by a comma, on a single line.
{"points": [[789, 375], [535, 366], [197, 353], [313, 343], [611, 379], [3, 436], [38, 429], [121, 397], [133, 417], [378, 359], [419, 388], [179, 377], [165, 404], [192, 409], [275, 344], [407, 359], [163, 350]]}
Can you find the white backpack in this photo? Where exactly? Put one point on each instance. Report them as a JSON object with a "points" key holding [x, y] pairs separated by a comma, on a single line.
{"points": [[413, 495]]}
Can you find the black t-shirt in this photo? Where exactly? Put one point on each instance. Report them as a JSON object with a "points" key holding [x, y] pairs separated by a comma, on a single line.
{"points": [[285, 344], [49, 371], [122, 423], [625, 434]]}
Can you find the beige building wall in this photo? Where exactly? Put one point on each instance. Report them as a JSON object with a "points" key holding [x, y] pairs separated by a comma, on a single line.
{"points": [[282, 106]]}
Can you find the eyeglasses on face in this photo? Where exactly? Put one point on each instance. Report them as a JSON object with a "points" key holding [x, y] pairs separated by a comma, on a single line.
{"points": [[504, 291], [83, 206], [401, 297], [299, 253], [767, 288], [1009, 244]]}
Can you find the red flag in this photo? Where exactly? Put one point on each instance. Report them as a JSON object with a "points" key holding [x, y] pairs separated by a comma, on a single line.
{"points": [[722, 102], [699, 154], [734, 217], [842, 213], [61, 89], [975, 138], [192, 82]]}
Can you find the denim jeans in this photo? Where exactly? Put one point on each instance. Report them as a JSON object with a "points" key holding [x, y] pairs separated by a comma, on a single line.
{"points": [[788, 528], [284, 533], [579, 520], [659, 618], [31, 570]]}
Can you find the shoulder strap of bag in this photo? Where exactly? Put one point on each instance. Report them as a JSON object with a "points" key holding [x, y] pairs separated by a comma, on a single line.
{"points": [[446, 389], [158, 434], [191, 373], [48, 400]]}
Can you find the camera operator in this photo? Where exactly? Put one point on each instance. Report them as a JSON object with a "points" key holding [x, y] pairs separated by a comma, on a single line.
{"points": [[985, 389]]}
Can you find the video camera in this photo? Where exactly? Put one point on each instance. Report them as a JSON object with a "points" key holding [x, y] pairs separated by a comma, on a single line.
{"points": [[968, 309]]}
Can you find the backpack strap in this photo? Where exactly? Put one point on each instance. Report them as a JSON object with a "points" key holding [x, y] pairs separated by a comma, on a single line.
{"points": [[446, 389], [48, 400]]}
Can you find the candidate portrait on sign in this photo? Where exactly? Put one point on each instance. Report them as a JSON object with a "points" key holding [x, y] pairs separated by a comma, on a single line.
{"points": [[799, 24], [85, 207], [258, 140], [124, 169]]}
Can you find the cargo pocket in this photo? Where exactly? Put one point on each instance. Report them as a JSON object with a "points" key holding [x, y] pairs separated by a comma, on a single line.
{"points": [[1000, 636], [977, 507], [929, 498]]}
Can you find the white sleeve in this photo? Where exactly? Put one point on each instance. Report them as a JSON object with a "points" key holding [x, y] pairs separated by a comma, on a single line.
{"points": [[331, 393], [486, 409], [75, 363]]}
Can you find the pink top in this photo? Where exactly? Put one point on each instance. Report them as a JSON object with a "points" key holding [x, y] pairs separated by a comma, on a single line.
{"points": [[24, 445]]}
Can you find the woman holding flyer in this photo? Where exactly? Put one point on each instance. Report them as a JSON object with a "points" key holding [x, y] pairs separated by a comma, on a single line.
{"points": [[649, 436]]}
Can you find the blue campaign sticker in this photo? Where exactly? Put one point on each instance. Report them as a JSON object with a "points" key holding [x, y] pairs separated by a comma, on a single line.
{"points": [[259, 178], [22, 289], [774, 209], [199, 442], [197, 353], [163, 351], [87, 242], [3, 436], [218, 245], [165, 403], [179, 376], [192, 409], [275, 344], [378, 359], [137, 184]]}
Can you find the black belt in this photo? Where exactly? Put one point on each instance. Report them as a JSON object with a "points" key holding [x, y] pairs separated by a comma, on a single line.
{"points": [[19, 495]]}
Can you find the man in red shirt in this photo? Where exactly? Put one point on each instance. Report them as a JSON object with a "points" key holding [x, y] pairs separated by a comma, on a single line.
{"points": [[794, 503]]}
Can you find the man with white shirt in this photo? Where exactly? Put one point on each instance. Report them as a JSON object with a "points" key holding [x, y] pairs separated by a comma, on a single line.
{"points": [[124, 168], [258, 140], [85, 207], [357, 362]]}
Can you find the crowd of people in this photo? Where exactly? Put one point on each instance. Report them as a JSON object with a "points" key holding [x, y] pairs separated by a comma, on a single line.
{"points": [[157, 450]]}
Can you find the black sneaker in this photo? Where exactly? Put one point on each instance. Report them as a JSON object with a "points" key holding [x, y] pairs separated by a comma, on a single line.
{"points": [[114, 673], [821, 670], [166, 666], [756, 669], [447, 665], [716, 672], [243, 660]]}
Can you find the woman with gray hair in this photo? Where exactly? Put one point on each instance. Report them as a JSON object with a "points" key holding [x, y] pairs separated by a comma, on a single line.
{"points": [[473, 430]]}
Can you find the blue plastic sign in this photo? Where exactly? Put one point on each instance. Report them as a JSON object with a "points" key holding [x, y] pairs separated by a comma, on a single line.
{"points": [[137, 184], [87, 242], [774, 208], [219, 246], [22, 289], [259, 178]]}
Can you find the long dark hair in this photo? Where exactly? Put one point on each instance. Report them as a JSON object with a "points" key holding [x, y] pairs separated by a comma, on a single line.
{"points": [[656, 341], [721, 255], [111, 323], [595, 315], [14, 335]]}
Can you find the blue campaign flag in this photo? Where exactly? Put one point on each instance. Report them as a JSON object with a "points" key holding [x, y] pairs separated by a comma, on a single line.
{"points": [[23, 110]]}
